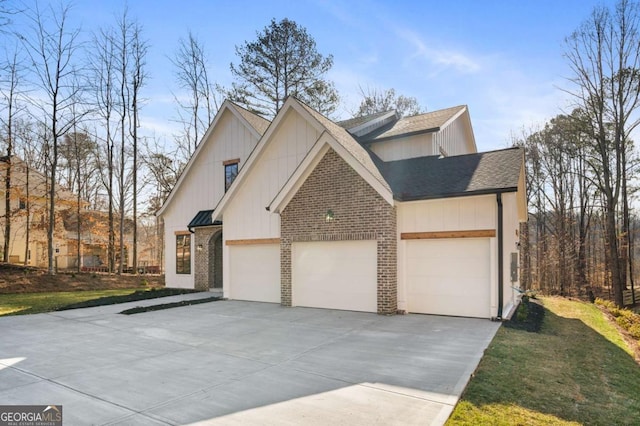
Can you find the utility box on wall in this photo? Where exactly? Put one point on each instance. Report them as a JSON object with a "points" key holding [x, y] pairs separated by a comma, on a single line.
{"points": [[514, 267]]}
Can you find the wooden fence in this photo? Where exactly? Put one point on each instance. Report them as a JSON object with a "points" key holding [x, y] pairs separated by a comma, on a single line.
{"points": [[626, 296]]}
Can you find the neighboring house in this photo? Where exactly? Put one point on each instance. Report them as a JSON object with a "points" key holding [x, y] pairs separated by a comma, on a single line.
{"points": [[34, 204], [379, 213]]}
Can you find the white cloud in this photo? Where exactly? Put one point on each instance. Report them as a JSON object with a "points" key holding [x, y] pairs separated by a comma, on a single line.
{"points": [[443, 59]]}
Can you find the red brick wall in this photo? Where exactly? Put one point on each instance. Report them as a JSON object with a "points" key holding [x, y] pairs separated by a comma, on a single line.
{"points": [[360, 214]]}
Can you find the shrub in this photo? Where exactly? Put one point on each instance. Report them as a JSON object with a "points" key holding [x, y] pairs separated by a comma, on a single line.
{"points": [[625, 318], [523, 311], [634, 331]]}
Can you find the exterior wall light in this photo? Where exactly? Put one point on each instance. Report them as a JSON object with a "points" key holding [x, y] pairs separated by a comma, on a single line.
{"points": [[199, 247], [328, 217]]}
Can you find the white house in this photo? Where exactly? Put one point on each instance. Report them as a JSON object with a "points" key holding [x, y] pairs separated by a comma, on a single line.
{"points": [[379, 213]]}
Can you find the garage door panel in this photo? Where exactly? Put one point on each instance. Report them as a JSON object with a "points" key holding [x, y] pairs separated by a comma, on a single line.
{"points": [[335, 275], [255, 272], [449, 277]]}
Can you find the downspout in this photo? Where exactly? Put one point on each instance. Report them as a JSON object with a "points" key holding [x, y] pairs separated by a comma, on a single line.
{"points": [[500, 257]]}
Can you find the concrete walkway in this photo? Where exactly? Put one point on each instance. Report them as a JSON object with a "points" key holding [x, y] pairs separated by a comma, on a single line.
{"points": [[232, 362]]}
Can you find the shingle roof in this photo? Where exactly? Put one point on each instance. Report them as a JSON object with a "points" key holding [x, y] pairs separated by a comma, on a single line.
{"points": [[343, 137], [257, 122], [203, 218], [430, 121], [356, 121], [438, 177]]}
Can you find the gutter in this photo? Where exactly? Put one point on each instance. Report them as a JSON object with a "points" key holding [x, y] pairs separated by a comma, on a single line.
{"points": [[500, 257]]}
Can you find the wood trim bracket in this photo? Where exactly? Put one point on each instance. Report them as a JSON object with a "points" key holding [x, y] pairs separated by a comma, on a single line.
{"points": [[474, 233], [253, 241]]}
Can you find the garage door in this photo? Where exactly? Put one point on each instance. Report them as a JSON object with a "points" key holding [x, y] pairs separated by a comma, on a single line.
{"points": [[255, 272], [335, 275], [449, 277]]}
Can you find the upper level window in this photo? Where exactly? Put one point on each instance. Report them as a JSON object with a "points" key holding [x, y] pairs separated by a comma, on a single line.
{"points": [[230, 172]]}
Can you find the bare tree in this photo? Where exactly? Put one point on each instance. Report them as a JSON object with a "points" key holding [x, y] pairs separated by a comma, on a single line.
{"points": [[104, 69], [52, 50], [138, 76], [604, 57], [10, 93], [123, 45], [374, 100], [198, 105]]}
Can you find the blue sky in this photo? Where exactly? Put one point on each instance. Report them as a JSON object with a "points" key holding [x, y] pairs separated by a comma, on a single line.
{"points": [[503, 58]]}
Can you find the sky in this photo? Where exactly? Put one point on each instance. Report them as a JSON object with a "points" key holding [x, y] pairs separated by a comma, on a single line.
{"points": [[502, 58]]}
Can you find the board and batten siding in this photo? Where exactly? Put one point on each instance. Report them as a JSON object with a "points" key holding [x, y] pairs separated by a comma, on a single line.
{"points": [[447, 214], [406, 147], [511, 229], [454, 139], [245, 216], [203, 187]]}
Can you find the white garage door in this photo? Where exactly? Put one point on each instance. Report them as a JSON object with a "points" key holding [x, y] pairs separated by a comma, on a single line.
{"points": [[255, 272], [449, 277], [335, 275]]}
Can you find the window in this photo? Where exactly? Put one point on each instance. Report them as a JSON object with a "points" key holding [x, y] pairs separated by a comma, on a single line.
{"points": [[230, 173], [23, 203], [183, 254]]}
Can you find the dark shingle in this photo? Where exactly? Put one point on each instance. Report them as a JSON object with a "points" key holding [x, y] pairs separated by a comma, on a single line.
{"points": [[357, 121], [435, 177], [427, 122]]}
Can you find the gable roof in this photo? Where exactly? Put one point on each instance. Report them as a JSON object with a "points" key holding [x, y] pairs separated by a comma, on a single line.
{"points": [[358, 121], [362, 155], [259, 123], [423, 123], [253, 122], [343, 140], [432, 177]]}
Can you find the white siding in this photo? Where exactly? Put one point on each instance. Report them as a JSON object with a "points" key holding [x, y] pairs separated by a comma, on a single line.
{"points": [[448, 214], [511, 227], [245, 216], [203, 187], [407, 147], [455, 139]]}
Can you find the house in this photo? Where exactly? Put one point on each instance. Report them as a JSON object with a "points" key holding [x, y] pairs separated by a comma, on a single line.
{"points": [[29, 207], [377, 214]]}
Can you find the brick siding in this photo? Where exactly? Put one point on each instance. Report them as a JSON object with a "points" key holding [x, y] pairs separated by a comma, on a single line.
{"points": [[204, 258], [360, 213]]}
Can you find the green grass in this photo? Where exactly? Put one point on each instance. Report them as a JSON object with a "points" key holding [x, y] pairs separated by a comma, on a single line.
{"points": [[576, 370], [34, 303]]}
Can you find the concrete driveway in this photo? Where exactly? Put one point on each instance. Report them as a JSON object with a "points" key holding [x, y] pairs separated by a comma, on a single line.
{"points": [[232, 362]]}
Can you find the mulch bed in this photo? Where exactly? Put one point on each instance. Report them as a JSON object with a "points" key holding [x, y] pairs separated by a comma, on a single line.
{"points": [[141, 309], [133, 297], [528, 316]]}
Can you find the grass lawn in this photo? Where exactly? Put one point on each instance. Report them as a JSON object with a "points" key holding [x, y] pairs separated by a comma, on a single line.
{"points": [[576, 370], [33, 303]]}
